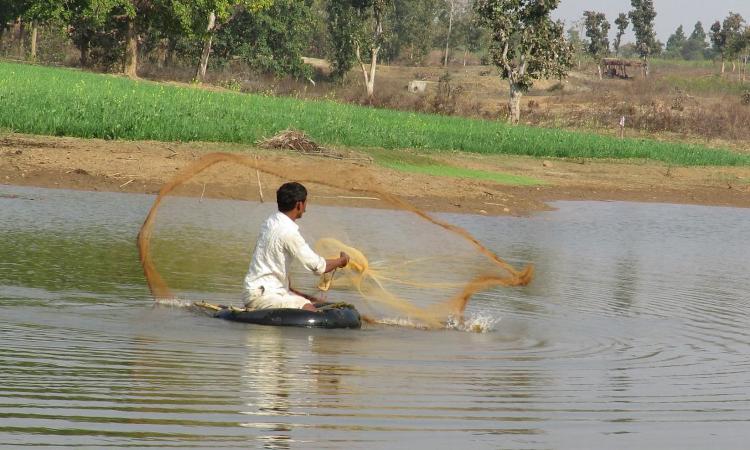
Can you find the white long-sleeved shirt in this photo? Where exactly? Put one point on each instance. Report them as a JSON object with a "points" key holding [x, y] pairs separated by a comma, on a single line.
{"points": [[279, 243]]}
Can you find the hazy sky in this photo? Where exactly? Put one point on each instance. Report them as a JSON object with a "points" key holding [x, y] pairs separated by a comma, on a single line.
{"points": [[669, 13]]}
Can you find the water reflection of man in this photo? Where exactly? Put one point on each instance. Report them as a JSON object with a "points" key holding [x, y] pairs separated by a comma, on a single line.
{"points": [[280, 242]]}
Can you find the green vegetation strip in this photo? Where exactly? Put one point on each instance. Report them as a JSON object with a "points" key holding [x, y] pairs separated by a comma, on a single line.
{"points": [[459, 172], [414, 163], [67, 102]]}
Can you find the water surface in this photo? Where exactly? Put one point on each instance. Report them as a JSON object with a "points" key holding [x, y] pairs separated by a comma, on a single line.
{"points": [[634, 334]]}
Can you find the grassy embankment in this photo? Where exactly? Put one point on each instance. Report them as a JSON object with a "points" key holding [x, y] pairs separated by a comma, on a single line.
{"points": [[66, 102]]}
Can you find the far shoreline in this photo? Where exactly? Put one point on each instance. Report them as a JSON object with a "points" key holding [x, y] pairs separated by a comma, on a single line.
{"points": [[144, 166]]}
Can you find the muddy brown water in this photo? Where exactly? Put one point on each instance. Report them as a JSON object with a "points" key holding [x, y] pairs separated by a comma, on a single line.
{"points": [[635, 333]]}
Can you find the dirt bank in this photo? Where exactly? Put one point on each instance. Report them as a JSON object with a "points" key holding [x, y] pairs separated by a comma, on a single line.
{"points": [[143, 167]]}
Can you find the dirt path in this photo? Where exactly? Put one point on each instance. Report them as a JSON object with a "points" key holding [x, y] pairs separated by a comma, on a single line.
{"points": [[143, 167]]}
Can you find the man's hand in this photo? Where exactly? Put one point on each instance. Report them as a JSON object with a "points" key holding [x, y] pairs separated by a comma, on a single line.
{"points": [[344, 258], [335, 263]]}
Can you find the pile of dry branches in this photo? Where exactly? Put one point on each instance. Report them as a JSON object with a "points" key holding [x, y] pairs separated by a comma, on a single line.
{"points": [[292, 140], [300, 142]]}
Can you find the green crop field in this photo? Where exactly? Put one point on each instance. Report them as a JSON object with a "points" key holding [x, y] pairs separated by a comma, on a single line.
{"points": [[67, 102]]}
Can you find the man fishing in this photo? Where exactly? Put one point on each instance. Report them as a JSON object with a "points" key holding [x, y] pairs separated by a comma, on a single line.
{"points": [[279, 243]]}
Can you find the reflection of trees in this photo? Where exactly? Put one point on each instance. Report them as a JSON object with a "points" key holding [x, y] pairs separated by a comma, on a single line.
{"points": [[191, 259], [94, 260]]}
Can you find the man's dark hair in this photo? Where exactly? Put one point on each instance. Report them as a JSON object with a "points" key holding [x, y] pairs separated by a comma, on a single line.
{"points": [[289, 194]]}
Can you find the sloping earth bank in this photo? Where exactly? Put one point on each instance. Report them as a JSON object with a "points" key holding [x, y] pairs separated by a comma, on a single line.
{"points": [[143, 167]]}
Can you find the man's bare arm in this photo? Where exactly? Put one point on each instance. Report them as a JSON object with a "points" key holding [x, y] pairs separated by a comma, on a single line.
{"points": [[335, 263]]}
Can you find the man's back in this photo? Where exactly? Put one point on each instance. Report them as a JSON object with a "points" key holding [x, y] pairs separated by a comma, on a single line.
{"points": [[278, 243]]}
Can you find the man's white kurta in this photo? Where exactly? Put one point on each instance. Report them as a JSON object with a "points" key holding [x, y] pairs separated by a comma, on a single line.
{"points": [[267, 279]]}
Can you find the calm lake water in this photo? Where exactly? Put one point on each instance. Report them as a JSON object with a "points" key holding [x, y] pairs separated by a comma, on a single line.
{"points": [[635, 334]]}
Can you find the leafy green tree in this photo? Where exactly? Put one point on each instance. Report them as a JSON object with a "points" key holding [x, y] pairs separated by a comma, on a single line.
{"points": [[526, 44], [413, 27], [725, 37], [451, 7], [11, 11], [642, 16], [597, 30], [675, 43], [204, 18], [696, 45], [41, 12], [577, 43], [470, 37], [622, 24], [735, 23], [358, 34], [319, 41], [97, 29], [344, 26], [271, 40]]}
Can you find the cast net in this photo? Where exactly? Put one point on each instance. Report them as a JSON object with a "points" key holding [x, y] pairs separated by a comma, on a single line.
{"points": [[407, 267]]}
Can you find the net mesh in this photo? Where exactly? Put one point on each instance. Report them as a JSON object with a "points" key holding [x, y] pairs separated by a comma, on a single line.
{"points": [[405, 264]]}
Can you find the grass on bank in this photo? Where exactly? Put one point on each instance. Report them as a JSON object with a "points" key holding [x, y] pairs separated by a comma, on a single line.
{"points": [[410, 162], [67, 102], [710, 84]]}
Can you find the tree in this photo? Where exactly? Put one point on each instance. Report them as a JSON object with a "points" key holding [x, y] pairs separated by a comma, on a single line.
{"points": [[526, 44], [343, 26], [204, 18], [622, 23], [734, 23], [675, 43], [413, 27], [642, 16], [357, 32], [695, 46], [98, 24], [451, 10], [470, 37], [576, 42], [270, 40], [597, 30], [13, 11], [725, 36], [745, 54]]}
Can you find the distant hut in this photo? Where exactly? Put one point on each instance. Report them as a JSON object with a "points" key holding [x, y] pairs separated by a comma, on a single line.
{"points": [[618, 68]]}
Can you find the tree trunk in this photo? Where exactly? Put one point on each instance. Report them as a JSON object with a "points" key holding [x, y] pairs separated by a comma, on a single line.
{"points": [[131, 51], [448, 37], [368, 76], [373, 66], [723, 66], [466, 52], [514, 103], [599, 68], [169, 57], [200, 75], [34, 34], [19, 36], [84, 49]]}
